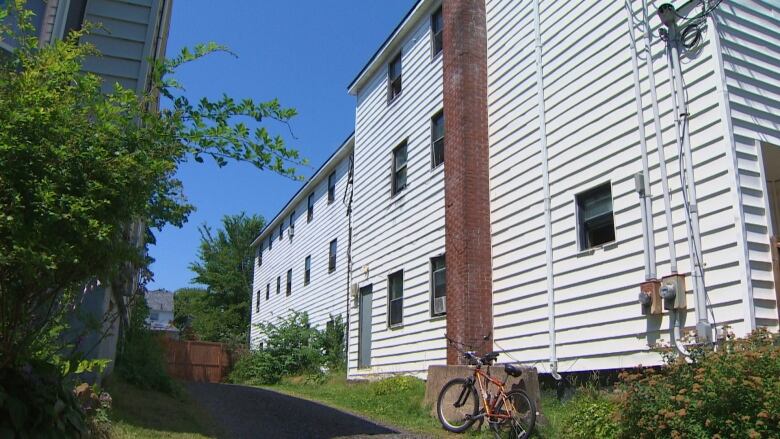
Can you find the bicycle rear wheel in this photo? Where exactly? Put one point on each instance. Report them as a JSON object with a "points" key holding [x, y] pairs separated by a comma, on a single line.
{"points": [[523, 416], [457, 405]]}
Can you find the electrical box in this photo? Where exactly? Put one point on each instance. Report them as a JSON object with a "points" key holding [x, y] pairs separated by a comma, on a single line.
{"points": [[673, 292], [650, 298]]}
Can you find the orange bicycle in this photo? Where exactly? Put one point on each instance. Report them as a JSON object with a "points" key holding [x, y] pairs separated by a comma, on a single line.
{"points": [[463, 401]]}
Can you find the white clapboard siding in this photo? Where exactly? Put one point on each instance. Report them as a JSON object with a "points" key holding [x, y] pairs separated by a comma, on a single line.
{"points": [[125, 34], [749, 32], [326, 294], [399, 232], [592, 138]]}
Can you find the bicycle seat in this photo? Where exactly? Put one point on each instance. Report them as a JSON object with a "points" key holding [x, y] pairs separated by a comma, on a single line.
{"points": [[512, 370], [490, 358]]}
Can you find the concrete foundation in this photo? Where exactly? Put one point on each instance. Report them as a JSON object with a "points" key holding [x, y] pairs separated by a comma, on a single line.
{"points": [[438, 376]]}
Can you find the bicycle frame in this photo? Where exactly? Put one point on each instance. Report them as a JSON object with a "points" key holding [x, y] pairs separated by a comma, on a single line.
{"points": [[483, 381]]}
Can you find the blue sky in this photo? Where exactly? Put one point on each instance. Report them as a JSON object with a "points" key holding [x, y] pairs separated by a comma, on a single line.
{"points": [[303, 52]]}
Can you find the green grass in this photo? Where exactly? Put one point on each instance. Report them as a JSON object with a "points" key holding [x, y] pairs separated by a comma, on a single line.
{"points": [[141, 414], [397, 403]]}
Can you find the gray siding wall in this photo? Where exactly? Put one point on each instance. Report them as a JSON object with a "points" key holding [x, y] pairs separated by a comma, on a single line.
{"points": [[126, 35]]}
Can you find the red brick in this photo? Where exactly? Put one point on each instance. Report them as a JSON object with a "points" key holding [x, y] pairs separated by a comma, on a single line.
{"points": [[466, 178]]}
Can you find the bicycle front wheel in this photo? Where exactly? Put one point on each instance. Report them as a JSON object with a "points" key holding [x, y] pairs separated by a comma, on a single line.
{"points": [[521, 416], [457, 405]]}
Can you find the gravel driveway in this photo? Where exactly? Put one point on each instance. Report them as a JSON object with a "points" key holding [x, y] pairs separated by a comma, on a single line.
{"points": [[249, 412]]}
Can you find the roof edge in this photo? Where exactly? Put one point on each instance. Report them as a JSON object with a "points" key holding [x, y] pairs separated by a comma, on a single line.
{"points": [[346, 147], [381, 53]]}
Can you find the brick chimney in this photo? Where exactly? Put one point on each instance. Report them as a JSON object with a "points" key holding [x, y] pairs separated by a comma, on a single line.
{"points": [[466, 179]]}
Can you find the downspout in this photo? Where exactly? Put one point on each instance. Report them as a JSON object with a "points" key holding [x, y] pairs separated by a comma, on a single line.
{"points": [[546, 190], [659, 140], [645, 197]]}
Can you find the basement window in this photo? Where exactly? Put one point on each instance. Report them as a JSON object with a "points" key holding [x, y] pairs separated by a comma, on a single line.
{"points": [[438, 286], [394, 78], [395, 298], [596, 222], [399, 168]]}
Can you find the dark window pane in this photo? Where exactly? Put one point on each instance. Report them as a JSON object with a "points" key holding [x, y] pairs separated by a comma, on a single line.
{"points": [[307, 271], [437, 138], [396, 311], [400, 180], [310, 208], [394, 78], [595, 216], [278, 284], [437, 24], [332, 187], [267, 291], [289, 282], [332, 256]]}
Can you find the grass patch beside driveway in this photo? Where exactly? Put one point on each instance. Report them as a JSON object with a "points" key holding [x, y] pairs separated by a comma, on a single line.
{"points": [[142, 414]]}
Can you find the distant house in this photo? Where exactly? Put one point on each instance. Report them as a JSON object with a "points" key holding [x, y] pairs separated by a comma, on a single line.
{"points": [[160, 303]]}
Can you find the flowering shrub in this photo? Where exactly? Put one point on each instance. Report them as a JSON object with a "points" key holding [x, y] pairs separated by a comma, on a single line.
{"points": [[733, 391]]}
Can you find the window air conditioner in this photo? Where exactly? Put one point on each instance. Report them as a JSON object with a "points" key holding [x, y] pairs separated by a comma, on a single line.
{"points": [[439, 305]]}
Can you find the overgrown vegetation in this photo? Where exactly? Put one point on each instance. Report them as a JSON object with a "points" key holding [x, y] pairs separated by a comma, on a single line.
{"points": [[733, 391], [292, 346], [141, 358], [86, 177]]}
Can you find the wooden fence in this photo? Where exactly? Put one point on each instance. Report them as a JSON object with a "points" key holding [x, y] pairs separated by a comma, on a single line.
{"points": [[199, 361]]}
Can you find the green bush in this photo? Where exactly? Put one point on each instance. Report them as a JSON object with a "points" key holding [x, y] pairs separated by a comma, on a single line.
{"points": [[733, 391], [141, 357], [37, 402], [396, 384], [292, 347], [591, 414]]}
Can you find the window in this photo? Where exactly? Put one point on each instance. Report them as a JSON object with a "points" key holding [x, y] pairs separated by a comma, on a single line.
{"points": [[260, 255], [394, 78], [278, 284], [271, 240], [267, 291], [438, 286], [332, 187], [292, 224], [310, 208], [437, 24], [281, 230], [332, 257], [399, 168], [289, 282], [154, 315], [257, 302], [395, 298], [307, 270], [596, 222], [437, 139]]}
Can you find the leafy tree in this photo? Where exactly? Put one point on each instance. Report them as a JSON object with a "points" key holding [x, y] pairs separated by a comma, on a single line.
{"points": [[226, 265], [77, 166], [199, 317]]}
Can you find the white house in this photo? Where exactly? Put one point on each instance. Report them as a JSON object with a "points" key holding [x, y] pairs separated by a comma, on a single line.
{"points": [[160, 303], [302, 254], [541, 207]]}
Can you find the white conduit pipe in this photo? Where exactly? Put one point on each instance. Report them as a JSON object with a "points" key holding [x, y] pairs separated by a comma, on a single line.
{"points": [[659, 140], [546, 190], [692, 210], [645, 198]]}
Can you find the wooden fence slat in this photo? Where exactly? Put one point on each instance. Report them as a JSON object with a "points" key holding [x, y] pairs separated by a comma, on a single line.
{"points": [[196, 360]]}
